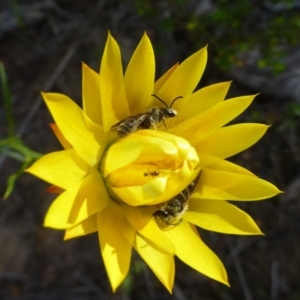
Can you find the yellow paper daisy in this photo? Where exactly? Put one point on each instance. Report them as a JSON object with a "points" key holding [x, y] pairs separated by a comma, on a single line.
{"points": [[149, 188]]}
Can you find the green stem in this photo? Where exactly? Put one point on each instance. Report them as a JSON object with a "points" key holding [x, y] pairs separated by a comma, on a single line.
{"points": [[15, 155], [11, 181], [14, 148], [15, 144]]}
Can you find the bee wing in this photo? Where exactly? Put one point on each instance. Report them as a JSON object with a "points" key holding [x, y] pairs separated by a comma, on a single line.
{"points": [[138, 122], [115, 126], [137, 118]]}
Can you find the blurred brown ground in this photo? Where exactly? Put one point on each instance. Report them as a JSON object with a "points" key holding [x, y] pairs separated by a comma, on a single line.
{"points": [[42, 45]]}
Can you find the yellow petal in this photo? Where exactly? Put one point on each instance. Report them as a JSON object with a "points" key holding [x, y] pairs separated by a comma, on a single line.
{"points": [[219, 185], [76, 127], [202, 125], [59, 168], [185, 78], [161, 81], [115, 158], [91, 198], [160, 263], [60, 137], [91, 94], [220, 216], [200, 101], [58, 213], [114, 231], [112, 91], [192, 251], [142, 195], [233, 139], [157, 190], [85, 227], [216, 163], [144, 223], [139, 77]]}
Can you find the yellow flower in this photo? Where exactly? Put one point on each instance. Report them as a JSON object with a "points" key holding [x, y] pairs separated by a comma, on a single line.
{"points": [[149, 189]]}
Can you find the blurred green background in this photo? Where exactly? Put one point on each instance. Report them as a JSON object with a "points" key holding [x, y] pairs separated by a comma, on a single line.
{"points": [[254, 43]]}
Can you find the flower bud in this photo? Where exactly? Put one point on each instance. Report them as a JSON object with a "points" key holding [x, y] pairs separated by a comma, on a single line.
{"points": [[149, 167]]}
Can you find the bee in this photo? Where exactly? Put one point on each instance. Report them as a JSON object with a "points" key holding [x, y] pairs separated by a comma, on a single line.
{"points": [[172, 210], [151, 173], [145, 120]]}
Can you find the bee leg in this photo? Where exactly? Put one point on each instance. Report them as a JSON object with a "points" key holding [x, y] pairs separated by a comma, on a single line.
{"points": [[163, 123]]}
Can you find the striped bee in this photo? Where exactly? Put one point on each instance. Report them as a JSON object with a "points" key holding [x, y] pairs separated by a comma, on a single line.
{"points": [[145, 120], [171, 211]]}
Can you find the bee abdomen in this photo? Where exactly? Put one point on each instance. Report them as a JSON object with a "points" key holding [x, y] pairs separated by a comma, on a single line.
{"points": [[125, 128]]}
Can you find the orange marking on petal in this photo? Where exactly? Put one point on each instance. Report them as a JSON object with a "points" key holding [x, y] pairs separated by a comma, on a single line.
{"points": [[53, 189]]}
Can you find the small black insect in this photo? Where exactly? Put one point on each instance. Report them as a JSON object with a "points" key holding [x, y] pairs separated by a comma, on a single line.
{"points": [[151, 173], [145, 120]]}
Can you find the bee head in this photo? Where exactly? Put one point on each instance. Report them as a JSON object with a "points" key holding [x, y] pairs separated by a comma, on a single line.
{"points": [[169, 112], [165, 217], [161, 214]]}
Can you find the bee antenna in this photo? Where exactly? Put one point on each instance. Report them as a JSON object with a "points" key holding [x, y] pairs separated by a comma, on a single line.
{"points": [[160, 100], [175, 100], [165, 102]]}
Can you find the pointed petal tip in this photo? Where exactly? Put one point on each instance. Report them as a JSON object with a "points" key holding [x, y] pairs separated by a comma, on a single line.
{"points": [[276, 191], [253, 95], [29, 170], [115, 285], [109, 37], [224, 280], [258, 232], [204, 49], [146, 37], [114, 288], [169, 289]]}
